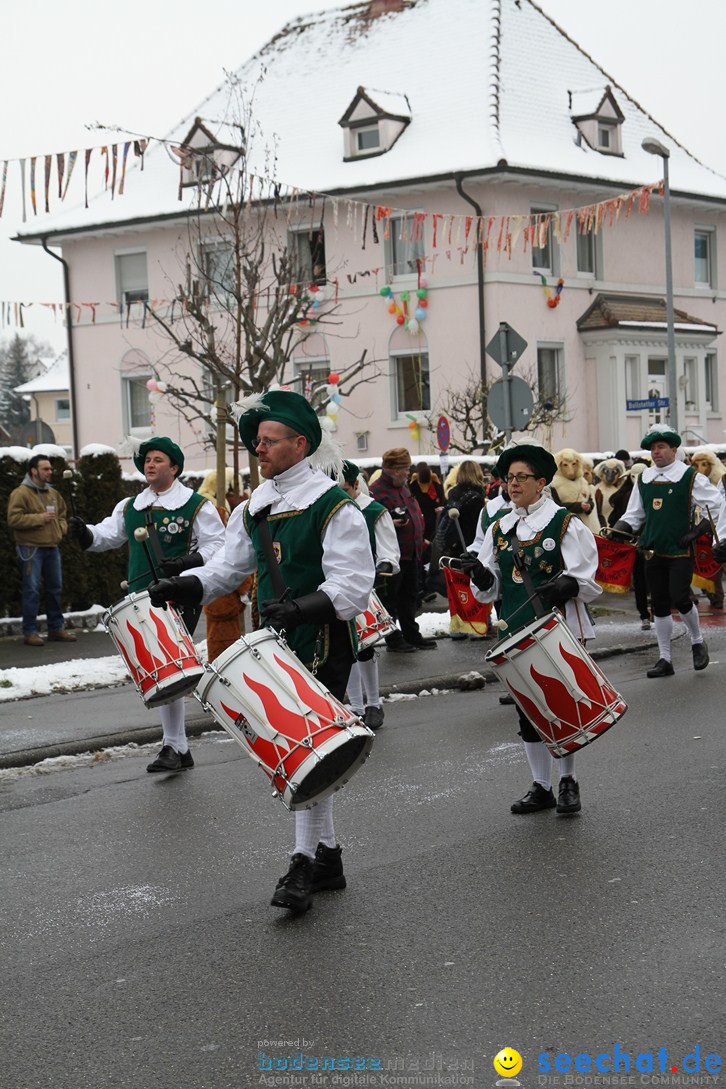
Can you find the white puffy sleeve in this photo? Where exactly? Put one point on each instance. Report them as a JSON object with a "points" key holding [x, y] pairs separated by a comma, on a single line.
{"points": [[387, 547], [111, 532], [347, 562], [488, 558], [579, 555], [207, 532], [234, 560]]}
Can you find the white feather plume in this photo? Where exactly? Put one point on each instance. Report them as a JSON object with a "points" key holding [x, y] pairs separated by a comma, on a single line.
{"points": [[253, 402], [328, 457]]}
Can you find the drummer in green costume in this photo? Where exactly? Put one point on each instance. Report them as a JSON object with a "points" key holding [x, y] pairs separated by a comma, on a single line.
{"points": [[188, 532], [323, 550], [662, 507], [560, 554]]}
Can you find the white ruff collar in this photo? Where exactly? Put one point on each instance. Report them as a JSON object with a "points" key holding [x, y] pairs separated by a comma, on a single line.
{"points": [[173, 498], [295, 489]]}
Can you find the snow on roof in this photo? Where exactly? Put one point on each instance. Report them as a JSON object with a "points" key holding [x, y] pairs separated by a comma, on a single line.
{"points": [[487, 81], [389, 101], [55, 378]]}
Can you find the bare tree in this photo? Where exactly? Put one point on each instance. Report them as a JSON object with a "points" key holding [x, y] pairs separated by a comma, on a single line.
{"points": [[252, 288], [472, 430]]}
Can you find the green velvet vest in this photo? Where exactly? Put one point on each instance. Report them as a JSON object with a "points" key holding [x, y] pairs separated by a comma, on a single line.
{"points": [[543, 560], [297, 538], [667, 506], [174, 529]]}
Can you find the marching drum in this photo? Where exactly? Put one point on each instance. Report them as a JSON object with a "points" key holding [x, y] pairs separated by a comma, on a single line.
{"points": [[156, 646], [557, 685], [372, 625], [306, 741]]}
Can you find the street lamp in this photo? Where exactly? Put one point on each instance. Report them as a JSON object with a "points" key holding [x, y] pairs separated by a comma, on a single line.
{"points": [[654, 147]]}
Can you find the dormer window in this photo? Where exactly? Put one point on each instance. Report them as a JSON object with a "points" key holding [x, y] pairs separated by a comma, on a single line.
{"points": [[598, 120], [373, 123], [205, 156]]}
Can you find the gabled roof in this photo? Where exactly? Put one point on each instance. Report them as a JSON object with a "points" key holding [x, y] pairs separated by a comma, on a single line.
{"points": [[488, 80], [589, 104], [382, 103], [55, 378], [632, 311]]}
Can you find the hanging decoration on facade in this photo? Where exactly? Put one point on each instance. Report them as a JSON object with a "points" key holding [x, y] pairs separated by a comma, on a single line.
{"points": [[553, 300], [156, 392], [414, 427], [411, 310]]}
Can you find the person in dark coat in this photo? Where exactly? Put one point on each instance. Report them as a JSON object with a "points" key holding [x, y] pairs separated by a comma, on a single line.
{"points": [[428, 492]]}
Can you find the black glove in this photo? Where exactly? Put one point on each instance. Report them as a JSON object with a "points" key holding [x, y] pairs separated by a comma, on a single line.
{"points": [[187, 592], [176, 564], [558, 591], [719, 552], [314, 608], [480, 575], [702, 528], [621, 528], [79, 531], [384, 570]]}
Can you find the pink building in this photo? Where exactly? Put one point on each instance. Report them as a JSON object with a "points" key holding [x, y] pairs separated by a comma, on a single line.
{"points": [[429, 125]]}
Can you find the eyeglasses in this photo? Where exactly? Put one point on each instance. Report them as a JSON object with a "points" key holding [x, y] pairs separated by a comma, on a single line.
{"points": [[267, 444], [520, 477]]}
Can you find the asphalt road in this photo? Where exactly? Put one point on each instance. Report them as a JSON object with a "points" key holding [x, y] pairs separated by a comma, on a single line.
{"points": [[139, 948]]}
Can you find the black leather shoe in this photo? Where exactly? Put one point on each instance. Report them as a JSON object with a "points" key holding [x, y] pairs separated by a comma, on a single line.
{"points": [[535, 799], [400, 648], [167, 760], [294, 889], [506, 701], [425, 644], [662, 669], [373, 718], [568, 797], [187, 760], [700, 656], [327, 869]]}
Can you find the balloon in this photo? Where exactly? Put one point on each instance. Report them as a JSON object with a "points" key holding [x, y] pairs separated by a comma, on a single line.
{"points": [[386, 291], [333, 378], [151, 385], [420, 314], [392, 308], [423, 303], [422, 293], [413, 426], [405, 296], [413, 326], [400, 319], [423, 282], [336, 398], [326, 423], [161, 387], [154, 397], [331, 410], [330, 389], [316, 304]]}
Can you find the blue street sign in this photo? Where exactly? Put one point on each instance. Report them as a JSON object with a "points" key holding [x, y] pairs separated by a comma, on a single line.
{"points": [[649, 403]]}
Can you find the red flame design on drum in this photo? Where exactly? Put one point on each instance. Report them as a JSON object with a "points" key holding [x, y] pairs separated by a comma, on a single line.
{"points": [[291, 723], [573, 722], [168, 646], [308, 695], [266, 751], [146, 660]]}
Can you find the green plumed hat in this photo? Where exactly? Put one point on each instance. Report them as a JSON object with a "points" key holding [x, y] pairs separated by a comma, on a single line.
{"points": [[661, 434], [540, 459], [351, 472], [172, 451], [278, 406]]}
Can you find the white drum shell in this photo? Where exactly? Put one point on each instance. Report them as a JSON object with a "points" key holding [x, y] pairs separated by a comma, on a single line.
{"points": [[265, 698], [156, 646], [373, 624]]}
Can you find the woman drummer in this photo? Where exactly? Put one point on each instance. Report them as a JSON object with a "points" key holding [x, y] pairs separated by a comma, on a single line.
{"points": [[560, 555]]}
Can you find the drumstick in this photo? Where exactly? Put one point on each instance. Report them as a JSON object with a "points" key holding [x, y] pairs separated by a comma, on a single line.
{"points": [[124, 585], [504, 624], [713, 527], [68, 475], [142, 536], [455, 515]]}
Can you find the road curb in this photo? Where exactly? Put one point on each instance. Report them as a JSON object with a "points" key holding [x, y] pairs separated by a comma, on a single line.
{"points": [[196, 725]]}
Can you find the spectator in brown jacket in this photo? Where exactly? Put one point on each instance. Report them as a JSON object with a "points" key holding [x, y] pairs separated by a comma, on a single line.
{"points": [[37, 517]]}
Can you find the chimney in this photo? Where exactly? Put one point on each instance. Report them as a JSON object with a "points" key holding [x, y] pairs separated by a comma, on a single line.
{"points": [[383, 7]]}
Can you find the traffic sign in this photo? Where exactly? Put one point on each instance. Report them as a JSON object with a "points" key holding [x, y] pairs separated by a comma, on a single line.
{"points": [[647, 403], [521, 403], [506, 346], [443, 434]]}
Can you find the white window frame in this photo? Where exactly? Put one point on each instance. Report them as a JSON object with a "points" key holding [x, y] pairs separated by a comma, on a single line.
{"points": [[398, 411], [553, 268], [140, 292], [560, 393], [690, 386], [294, 236], [709, 234], [632, 378], [710, 390], [361, 130], [221, 290], [361, 441], [60, 415], [319, 366], [133, 377], [595, 244], [413, 252]]}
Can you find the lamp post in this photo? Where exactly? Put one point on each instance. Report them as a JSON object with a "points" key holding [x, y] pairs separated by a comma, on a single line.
{"points": [[654, 147]]}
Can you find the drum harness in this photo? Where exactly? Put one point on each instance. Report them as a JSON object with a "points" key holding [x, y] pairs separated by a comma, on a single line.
{"points": [[534, 599], [190, 616]]}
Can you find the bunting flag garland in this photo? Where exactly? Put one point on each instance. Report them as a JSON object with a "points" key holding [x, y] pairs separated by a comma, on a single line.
{"points": [[3, 183], [32, 183], [89, 151], [60, 166], [73, 155], [48, 168]]}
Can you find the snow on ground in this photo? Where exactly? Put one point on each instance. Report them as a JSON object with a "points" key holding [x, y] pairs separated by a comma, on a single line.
{"points": [[16, 684]]}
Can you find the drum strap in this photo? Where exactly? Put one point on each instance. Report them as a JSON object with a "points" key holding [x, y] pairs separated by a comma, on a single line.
{"points": [[278, 583], [154, 542], [520, 564]]}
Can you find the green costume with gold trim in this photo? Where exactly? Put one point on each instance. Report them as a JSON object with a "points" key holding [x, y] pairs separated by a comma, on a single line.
{"points": [[297, 537], [174, 530], [543, 560], [372, 513], [667, 508]]}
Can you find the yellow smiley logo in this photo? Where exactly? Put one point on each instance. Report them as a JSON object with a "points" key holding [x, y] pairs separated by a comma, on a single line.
{"points": [[508, 1062]]}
